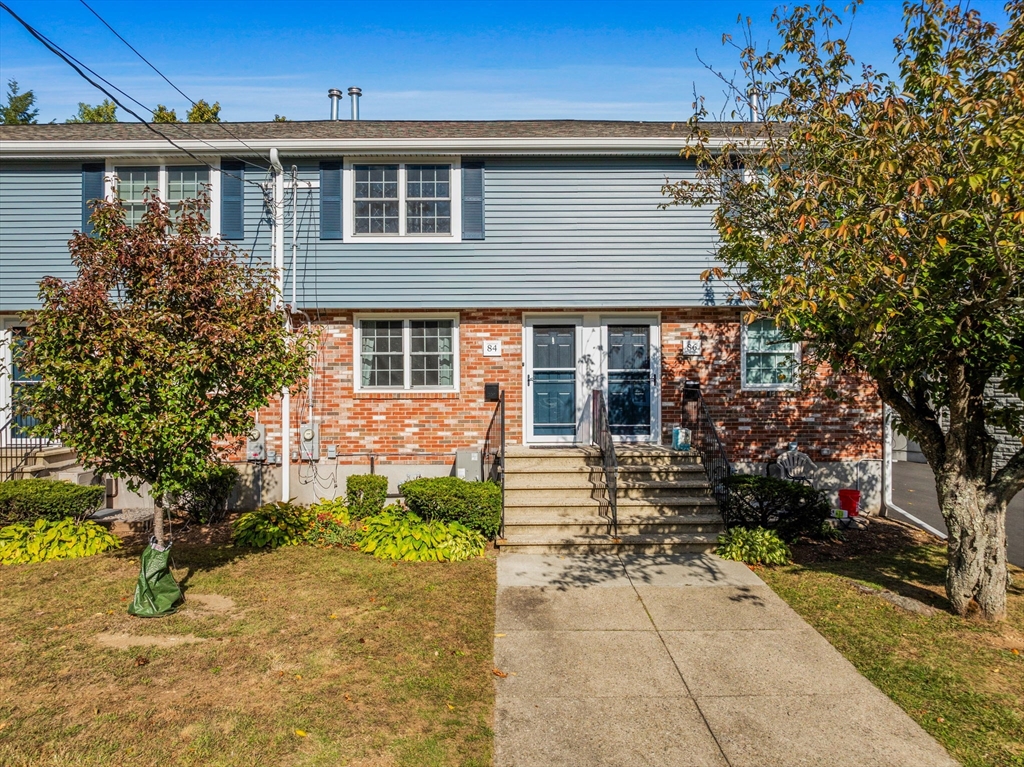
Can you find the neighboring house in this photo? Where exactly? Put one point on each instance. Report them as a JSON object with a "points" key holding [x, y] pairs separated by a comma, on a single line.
{"points": [[439, 257]]}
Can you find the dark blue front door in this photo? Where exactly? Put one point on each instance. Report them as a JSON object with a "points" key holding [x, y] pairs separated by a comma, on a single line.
{"points": [[553, 380], [629, 380]]}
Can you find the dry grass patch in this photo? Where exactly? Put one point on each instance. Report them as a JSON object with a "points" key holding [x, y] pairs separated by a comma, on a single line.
{"points": [[310, 657], [958, 678]]}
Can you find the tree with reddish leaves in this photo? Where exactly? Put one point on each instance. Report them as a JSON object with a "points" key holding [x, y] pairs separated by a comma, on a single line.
{"points": [[166, 342]]}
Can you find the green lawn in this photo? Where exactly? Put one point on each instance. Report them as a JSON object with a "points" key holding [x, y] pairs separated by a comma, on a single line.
{"points": [[326, 657], [958, 678]]}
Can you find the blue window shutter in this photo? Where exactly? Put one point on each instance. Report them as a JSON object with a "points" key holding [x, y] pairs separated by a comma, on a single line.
{"points": [[472, 200], [92, 189], [330, 200], [232, 200]]}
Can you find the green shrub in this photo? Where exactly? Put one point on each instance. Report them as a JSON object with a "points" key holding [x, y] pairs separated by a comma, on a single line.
{"points": [[755, 547], [331, 526], [273, 525], [47, 539], [477, 505], [366, 494], [398, 535], [206, 501], [26, 500], [790, 508]]}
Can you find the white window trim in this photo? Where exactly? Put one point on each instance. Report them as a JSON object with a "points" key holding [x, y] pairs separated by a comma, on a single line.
{"points": [[793, 385], [7, 327], [348, 195], [162, 163], [357, 356]]}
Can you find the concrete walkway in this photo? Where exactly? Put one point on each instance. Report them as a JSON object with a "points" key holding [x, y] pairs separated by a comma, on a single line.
{"points": [[677, 661]]}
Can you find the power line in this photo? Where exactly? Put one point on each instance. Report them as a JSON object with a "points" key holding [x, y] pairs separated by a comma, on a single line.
{"points": [[154, 68], [72, 62]]}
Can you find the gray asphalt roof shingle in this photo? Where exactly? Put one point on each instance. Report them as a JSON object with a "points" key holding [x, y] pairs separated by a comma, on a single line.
{"points": [[371, 129]]}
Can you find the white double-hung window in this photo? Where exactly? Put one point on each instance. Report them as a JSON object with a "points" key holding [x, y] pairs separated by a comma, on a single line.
{"points": [[399, 353], [171, 183], [385, 201], [769, 361]]}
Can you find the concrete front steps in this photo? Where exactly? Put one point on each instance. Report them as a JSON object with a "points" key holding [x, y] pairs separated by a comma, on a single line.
{"points": [[56, 462], [556, 500]]}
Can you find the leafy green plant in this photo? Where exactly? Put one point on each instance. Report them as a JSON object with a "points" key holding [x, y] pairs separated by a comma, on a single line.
{"points": [[830, 533], [366, 494], [404, 536], [476, 505], [273, 525], [755, 546], [26, 500], [331, 526], [790, 508], [47, 539], [205, 498]]}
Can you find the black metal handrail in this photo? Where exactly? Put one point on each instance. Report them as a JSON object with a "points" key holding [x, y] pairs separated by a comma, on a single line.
{"points": [[602, 438], [16, 451], [704, 438], [494, 453]]}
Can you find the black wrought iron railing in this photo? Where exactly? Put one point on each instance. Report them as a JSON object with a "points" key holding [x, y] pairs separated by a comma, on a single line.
{"points": [[602, 438], [494, 453], [17, 446], [705, 440]]}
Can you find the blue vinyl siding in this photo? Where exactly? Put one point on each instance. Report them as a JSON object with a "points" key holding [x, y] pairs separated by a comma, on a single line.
{"points": [[40, 208], [560, 233]]}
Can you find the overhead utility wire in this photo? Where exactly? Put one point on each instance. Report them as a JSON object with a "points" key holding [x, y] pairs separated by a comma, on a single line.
{"points": [[162, 75], [74, 64]]}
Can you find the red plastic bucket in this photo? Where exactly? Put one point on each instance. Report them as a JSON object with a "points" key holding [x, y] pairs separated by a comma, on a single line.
{"points": [[849, 500]]}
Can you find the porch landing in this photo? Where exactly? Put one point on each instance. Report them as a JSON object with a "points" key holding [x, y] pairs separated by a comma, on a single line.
{"points": [[557, 500]]}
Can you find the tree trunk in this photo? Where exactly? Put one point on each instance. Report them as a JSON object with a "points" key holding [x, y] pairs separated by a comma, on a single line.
{"points": [[976, 521], [158, 519]]}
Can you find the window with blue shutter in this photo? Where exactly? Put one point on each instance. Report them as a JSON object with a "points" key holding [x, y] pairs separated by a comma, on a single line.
{"points": [[92, 189], [472, 200], [232, 200], [330, 200]]}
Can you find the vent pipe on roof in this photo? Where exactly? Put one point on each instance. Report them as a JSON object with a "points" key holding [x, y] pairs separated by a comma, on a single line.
{"points": [[354, 93], [335, 96]]}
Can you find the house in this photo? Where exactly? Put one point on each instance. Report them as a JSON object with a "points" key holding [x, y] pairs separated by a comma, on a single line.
{"points": [[439, 258]]}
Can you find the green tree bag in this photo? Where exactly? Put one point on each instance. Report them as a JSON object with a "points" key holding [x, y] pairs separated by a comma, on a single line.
{"points": [[156, 593]]}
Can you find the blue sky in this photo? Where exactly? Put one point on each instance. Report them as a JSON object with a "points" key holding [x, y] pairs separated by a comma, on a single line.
{"points": [[413, 60]]}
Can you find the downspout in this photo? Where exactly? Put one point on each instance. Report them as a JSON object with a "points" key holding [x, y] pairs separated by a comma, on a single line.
{"points": [[278, 265]]}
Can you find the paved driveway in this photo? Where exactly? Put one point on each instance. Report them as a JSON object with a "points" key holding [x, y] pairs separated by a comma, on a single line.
{"points": [[677, 661], [913, 490]]}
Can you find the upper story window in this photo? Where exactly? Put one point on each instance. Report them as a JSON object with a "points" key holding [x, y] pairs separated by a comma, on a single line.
{"points": [[769, 361], [407, 353], [407, 200], [171, 183]]}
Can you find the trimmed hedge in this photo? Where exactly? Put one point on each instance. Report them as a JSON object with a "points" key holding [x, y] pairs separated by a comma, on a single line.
{"points": [[365, 494], [792, 509], [26, 500], [206, 500], [477, 505]]}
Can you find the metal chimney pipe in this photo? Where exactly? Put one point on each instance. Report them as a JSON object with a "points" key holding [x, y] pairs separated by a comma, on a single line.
{"points": [[335, 96], [354, 93]]}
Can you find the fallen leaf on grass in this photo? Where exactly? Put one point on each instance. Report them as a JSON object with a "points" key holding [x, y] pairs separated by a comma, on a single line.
{"points": [[333, 617], [298, 676], [301, 733], [1015, 651], [141, 660], [939, 719], [499, 673], [450, 706], [348, 697]]}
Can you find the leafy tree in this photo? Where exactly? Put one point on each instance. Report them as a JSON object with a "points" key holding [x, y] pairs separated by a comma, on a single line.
{"points": [[202, 112], [105, 112], [164, 115], [165, 342], [280, 119], [18, 110], [881, 222]]}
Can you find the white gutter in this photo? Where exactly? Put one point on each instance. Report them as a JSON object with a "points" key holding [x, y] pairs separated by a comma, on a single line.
{"points": [[887, 503], [277, 260], [495, 147]]}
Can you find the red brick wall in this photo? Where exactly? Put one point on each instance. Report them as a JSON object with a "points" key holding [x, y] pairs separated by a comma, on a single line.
{"points": [[754, 425]]}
